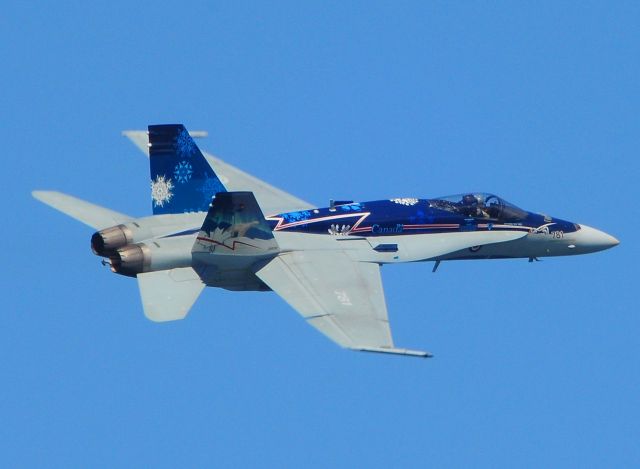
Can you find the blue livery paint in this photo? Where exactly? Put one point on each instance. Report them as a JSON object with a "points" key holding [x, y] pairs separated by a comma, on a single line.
{"points": [[407, 216], [181, 178]]}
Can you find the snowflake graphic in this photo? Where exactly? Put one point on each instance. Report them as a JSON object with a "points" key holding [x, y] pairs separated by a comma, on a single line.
{"points": [[350, 207], [405, 201], [296, 216], [338, 230], [210, 186], [185, 146], [161, 191], [183, 172]]}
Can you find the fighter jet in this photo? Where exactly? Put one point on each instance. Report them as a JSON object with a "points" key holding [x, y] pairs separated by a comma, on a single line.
{"points": [[215, 225]]}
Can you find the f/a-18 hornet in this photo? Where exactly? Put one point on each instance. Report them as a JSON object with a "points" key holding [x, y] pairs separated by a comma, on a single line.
{"points": [[209, 228]]}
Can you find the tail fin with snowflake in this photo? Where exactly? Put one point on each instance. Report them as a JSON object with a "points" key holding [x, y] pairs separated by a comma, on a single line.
{"points": [[181, 178]]}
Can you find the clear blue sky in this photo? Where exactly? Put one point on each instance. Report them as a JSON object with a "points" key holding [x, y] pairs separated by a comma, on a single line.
{"points": [[536, 365]]}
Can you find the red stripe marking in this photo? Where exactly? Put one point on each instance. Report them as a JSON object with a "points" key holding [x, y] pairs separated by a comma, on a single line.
{"points": [[232, 247]]}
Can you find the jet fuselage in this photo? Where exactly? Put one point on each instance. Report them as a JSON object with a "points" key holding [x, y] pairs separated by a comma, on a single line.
{"points": [[387, 232], [395, 228], [210, 230]]}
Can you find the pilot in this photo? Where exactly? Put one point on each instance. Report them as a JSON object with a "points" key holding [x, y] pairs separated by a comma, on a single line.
{"points": [[469, 199], [473, 206], [482, 211], [469, 205]]}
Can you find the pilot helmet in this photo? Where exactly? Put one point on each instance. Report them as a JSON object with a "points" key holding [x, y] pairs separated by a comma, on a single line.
{"points": [[469, 199]]}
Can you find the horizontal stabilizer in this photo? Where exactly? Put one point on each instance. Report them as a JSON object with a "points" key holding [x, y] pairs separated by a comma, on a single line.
{"points": [[90, 214], [168, 295]]}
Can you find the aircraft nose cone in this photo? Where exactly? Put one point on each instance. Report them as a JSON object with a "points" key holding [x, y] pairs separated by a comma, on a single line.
{"points": [[592, 240]]}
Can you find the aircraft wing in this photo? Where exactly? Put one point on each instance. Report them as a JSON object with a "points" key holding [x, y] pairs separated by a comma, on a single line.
{"points": [[340, 297], [90, 214], [271, 199]]}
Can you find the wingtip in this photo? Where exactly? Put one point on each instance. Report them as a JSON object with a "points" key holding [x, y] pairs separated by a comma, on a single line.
{"points": [[395, 351], [39, 194]]}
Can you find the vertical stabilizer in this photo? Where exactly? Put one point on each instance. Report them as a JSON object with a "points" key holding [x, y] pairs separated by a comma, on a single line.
{"points": [[235, 226], [181, 178]]}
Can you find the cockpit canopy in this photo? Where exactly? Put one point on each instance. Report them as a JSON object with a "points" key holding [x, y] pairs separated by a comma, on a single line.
{"points": [[481, 206]]}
